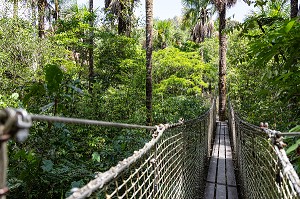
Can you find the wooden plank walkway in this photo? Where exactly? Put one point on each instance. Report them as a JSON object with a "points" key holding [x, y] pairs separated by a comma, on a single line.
{"points": [[220, 182]]}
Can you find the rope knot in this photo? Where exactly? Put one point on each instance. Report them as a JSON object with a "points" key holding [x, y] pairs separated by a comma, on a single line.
{"points": [[159, 129], [181, 120]]}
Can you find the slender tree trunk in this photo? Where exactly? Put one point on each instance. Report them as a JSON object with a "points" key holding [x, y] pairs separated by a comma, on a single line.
{"points": [[130, 14], [149, 30], [16, 8], [122, 19], [222, 63], [41, 19], [203, 21], [56, 14], [294, 8], [91, 47], [33, 14]]}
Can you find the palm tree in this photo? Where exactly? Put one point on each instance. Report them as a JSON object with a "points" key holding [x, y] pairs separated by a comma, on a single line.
{"points": [[123, 9], [163, 29], [149, 31], [197, 15], [221, 6]]}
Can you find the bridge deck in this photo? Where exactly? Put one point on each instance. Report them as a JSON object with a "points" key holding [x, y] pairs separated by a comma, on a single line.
{"points": [[221, 181]]}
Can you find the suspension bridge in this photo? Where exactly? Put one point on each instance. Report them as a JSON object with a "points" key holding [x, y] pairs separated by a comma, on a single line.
{"points": [[198, 158]]}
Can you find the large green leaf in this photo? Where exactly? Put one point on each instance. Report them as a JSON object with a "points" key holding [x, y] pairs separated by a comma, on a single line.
{"points": [[293, 147], [295, 129], [96, 156], [53, 77], [289, 26], [296, 145], [47, 165]]}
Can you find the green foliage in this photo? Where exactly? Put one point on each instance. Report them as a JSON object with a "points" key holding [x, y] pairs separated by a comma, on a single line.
{"points": [[268, 74], [293, 150], [53, 77], [163, 31], [189, 46], [72, 28], [111, 50], [171, 109], [264, 78], [10, 101], [178, 83], [167, 33], [172, 61], [50, 76]]}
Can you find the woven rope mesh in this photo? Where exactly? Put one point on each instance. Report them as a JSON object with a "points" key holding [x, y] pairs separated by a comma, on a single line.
{"points": [[170, 166], [264, 170]]}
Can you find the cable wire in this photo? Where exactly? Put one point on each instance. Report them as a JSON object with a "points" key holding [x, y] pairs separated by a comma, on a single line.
{"points": [[89, 122]]}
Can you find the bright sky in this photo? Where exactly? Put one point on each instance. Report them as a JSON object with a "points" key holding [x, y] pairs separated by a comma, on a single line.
{"points": [[164, 9]]}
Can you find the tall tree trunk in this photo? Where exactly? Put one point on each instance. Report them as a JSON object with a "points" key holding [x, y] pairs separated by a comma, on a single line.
{"points": [[122, 19], [203, 22], [33, 13], [130, 14], [16, 8], [222, 63], [41, 19], [149, 30], [294, 8], [56, 14], [91, 47]]}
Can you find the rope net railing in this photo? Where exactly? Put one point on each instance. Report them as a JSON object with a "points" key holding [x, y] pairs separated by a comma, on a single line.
{"points": [[172, 165], [264, 170]]}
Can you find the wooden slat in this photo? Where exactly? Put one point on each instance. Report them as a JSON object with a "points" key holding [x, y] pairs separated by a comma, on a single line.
{"points": [[230, 174], [212, 171], [221, 181], [221, 191], [232, 193], [221, 177], [209, 191], [229, 164]]}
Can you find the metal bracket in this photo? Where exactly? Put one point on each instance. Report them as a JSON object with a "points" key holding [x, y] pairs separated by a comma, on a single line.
{"points": [[16, 123], [13, 123]]}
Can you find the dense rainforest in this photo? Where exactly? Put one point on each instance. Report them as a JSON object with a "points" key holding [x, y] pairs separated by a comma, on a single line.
{"points": [[60, 59]]}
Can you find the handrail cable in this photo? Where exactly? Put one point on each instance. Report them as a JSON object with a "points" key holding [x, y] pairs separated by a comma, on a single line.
{"points": [[4, 114]]}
